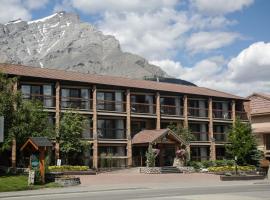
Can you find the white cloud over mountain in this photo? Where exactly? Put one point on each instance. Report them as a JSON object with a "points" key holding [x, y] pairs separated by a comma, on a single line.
{"points": [[248, 72]]}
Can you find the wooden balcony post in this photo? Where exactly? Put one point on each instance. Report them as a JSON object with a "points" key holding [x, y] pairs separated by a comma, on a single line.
{"points": [[233, 111], [95, 136], [128, 126], [14, 143], [158, 110], [57, 119], [185, 111], [211, 131]]}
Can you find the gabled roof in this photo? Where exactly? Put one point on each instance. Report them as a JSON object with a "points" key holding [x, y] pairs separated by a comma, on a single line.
{"points": [[37, 142], [152, 136], [259, 103], [20, 70]]}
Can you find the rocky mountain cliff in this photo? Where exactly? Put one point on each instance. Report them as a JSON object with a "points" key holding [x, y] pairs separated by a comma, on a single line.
{"points": [[62, 41]]}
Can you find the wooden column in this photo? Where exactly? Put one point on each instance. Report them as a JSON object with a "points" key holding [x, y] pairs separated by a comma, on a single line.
{"points": [[57, 119], [158, 110], [128, 127], [185, 111], [14, 143], [233, 111], [42, 164], [211, 131], [95, 136]]}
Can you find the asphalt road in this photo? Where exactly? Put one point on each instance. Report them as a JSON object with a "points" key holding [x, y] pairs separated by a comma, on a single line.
{"points": [[231, 192]]}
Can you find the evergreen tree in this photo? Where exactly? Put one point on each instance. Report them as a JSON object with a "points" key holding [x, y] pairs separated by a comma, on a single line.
{"points": [[242, 144]]}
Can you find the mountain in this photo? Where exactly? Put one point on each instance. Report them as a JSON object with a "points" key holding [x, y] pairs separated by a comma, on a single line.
{"points": [[62, 41]]}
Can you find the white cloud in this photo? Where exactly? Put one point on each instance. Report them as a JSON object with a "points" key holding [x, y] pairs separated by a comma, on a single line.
{"points": [[97, 6], [207, 41], [244, 74], [35, 4], [151, 34], [220, 7], [13, 9], [252, 64]]}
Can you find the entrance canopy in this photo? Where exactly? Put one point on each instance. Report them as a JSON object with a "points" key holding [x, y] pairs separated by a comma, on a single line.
{"points": [[156, 136]]}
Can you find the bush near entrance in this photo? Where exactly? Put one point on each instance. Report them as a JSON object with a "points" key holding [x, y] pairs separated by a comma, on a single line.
{"points": [[231, 168], [64, 168]]}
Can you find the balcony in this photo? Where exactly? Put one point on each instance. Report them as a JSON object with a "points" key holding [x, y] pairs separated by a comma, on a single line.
{"points": [[112, 133], [171, 110], [47, 100], [222, 114], [143, 108], [112, 106], [200, 136], [197, 112], [241, 115], [220, 137], [76, 103]]}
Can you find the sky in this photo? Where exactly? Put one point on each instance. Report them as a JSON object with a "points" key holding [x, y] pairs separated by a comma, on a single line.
{"points": [[219, 44]]}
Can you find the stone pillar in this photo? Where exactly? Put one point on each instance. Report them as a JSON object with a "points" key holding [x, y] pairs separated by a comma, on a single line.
{"points": [[128, 128], [14, 142], [95, 136], [158, 110], [57, 119], [185, 111], [211, 131], [233, 111]]}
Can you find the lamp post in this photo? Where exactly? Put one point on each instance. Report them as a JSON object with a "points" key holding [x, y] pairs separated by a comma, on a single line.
{"points": [[235, 165]]}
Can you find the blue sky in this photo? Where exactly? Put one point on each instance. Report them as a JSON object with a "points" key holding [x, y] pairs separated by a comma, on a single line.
{"points": [[221, 44]]}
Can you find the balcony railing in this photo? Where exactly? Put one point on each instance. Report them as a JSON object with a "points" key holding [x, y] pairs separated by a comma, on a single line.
{"points": [[112, 134], [114, 161], [220, 137], [222, 114], [200, 136], [200, 158], [47, 100], [241, 115], [86, 135], [171, 110], [144, 108], [197, 112], [106, 105], [76, 103]]}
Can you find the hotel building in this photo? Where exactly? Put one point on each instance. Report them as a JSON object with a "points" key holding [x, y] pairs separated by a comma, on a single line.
{"points": [[125, 115]]}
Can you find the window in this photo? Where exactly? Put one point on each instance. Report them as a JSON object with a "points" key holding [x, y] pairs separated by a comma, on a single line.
{"points": [[75, 98]]}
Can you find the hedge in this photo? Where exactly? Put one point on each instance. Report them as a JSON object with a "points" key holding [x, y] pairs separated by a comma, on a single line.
{"points": [[211, 163], [231, 168], [67, 168]]}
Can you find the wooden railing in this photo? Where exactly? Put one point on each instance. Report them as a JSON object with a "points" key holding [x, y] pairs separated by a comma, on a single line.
{"points": [[144, 108], [241, 115], [220, 137], [200, 136], [112, 133], [171, 110], [48, 101], [222, 114], [107, 105], [197, 112], [76, 103]]}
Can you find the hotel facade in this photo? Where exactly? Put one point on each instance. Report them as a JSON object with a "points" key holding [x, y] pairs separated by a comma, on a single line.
{"points": [[124, 115]]}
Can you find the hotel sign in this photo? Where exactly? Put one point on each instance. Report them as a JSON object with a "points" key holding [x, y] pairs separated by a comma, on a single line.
{"points": [[1, 129]]}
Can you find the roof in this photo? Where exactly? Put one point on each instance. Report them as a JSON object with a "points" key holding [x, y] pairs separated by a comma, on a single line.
{"points": [[20, 70], [259, 103], [37, 142], [151, 136]]}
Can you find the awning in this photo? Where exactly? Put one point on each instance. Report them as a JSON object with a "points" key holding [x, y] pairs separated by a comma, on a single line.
{"points": [[156, 136]]}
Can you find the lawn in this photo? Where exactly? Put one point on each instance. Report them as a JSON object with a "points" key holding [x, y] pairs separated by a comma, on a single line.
{"points": [[16, 183]]}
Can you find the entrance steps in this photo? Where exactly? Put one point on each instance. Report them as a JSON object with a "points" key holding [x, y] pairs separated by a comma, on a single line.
{"points": [[170, 170]]}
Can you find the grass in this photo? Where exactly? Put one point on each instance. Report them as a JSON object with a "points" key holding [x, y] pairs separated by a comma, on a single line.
{"points": [[20, 182]]}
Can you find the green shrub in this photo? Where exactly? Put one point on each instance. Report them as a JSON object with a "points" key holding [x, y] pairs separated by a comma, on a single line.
{"points": [[231, 168], [67, 168], [196, 165]]}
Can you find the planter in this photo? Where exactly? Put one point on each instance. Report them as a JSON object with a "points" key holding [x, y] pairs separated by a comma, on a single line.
{"points": [[241, 178], [68, 181], [150, 170]]}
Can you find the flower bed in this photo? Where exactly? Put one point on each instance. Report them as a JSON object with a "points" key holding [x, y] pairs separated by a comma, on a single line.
{"points": [[65, 168], [231, 169]]}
